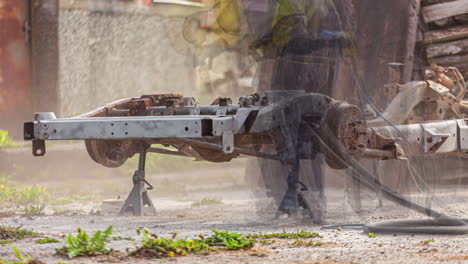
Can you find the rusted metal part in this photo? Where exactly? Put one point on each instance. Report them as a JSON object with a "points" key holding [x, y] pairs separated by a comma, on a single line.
{"points": [[378, 141], [439, 75], [119, 112], [210, 151], [454, 104], [135, 106], [217, 148], [14, 59], [431, 100], [162, 99], [384, 147], [167, 152], [110, 153], [222, 101], [345, 124], [108, 109], [138, 107]]}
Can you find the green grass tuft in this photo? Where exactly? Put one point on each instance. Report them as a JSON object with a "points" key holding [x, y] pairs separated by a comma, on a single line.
{"points": [[302, 243], [207, 201], [13, 233], [46, 240], [285, 235], [427, 242], [6, 141], [30, 200]]}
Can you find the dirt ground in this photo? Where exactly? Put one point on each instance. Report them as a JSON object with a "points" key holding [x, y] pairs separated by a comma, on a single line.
{"points": [[241, 210], [240, 215]]}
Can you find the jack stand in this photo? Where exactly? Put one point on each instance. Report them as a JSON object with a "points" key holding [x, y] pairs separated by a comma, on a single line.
{"points": [[138, 197], [294, 200]]}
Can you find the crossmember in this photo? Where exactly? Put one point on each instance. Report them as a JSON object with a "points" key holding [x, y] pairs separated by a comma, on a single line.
{"points": [[139, 127]]}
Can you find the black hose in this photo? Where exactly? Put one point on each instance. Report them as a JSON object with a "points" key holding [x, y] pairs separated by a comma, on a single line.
{"points": [[440, 224], [344, 227], [449, 226]]}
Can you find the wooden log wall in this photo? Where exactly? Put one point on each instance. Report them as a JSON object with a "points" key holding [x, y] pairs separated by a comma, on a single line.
{"points": [[446, 33]]}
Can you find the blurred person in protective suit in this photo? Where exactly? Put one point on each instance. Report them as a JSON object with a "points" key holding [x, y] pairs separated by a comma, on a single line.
{"points": [[298, 45], [304, 44]]}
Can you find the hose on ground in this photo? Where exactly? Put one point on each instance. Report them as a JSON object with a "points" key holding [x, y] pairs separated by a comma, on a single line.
{"points": [[440, 224]]}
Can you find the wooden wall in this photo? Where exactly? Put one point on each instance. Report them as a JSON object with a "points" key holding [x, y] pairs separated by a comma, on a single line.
{"points": [[446, 36]]}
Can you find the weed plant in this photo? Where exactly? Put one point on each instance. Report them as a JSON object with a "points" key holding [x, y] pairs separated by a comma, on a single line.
{"points": [[230, 240], [154, 246], [83, 244], [302, 243], [14, 233]]}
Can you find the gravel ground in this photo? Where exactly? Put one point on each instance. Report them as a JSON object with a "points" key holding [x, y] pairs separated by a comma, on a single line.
{"points": [[177, 190], [240, 215]]}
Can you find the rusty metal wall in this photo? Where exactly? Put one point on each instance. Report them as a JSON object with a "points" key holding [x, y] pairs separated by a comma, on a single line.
{"points": [[15, 71]]}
